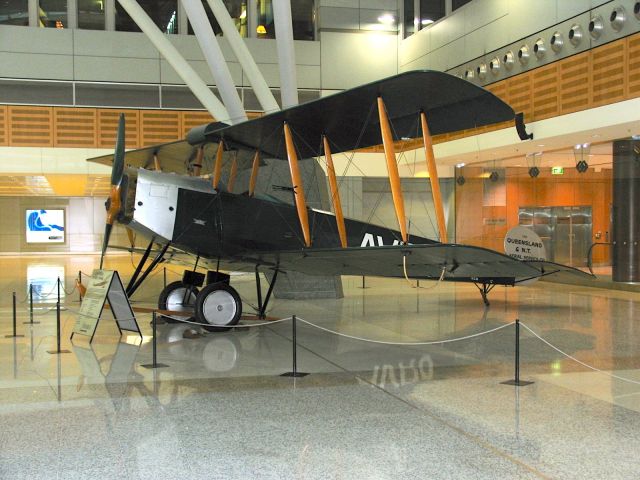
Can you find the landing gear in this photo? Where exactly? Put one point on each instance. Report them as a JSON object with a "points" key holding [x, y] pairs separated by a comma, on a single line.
{"points": [[485, 288], [218, 306], [178, 297]]}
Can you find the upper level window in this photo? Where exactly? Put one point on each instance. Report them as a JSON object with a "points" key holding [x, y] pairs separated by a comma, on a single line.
{"points": [[302, 16], [237, 10], [409, 18], [91, 14], [52, 13], [14, 12], [419, 14], [430, 11], [459, 3], [164, 14]]}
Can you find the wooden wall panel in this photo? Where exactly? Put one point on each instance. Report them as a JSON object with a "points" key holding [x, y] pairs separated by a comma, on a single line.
{"points": [[608, 73], [4, 137], [519, 95], [574, 83], [191, 119], [108, 128], [30, 126], [159, 127], [633, 66], [545, 92], [74, 127]]}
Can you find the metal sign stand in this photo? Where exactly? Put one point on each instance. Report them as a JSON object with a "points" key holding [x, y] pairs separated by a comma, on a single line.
{"points": [[105, 286]]}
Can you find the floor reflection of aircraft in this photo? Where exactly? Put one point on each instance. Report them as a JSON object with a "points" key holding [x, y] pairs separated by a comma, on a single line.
{"points": [[219, 229]]}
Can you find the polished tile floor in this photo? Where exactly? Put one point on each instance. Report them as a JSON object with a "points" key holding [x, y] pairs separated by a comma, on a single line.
{"points": [[367, 410]]}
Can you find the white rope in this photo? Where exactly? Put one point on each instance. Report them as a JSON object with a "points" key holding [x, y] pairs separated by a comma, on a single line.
{"points": [[382, 342], [272, 322], [406, 276], [578, 361]]}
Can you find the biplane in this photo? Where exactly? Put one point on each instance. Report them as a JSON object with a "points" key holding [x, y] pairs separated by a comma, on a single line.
{"points": [[162, 193]]}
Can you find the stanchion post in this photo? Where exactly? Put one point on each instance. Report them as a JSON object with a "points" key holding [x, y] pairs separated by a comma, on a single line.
{"points": [[58, 329], [31, 322], [294, 373], [154, 345], [79, 283], [15, 333], [516, 381], [164, 277]]}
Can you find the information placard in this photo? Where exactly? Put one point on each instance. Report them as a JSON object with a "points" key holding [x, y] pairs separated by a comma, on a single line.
{"points": [[105, 286]]}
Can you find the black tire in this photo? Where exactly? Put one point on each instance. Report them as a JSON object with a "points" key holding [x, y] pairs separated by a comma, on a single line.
{"points": [[171, 299], [218, 307]]}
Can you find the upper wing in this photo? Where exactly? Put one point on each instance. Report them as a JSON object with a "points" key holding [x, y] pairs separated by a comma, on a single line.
{"points": [[349, 120], [460, 262]]}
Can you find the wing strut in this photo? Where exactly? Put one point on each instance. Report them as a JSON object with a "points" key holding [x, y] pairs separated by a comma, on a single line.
{"points": [[335, 193], [433, 177], [392, 168], [217, 169], [298, 188], [254, 173], [233, 172]]}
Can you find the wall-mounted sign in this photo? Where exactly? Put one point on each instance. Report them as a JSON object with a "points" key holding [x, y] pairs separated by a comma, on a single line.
{"points": [[45, 226], [523, 243], [557, 170]]}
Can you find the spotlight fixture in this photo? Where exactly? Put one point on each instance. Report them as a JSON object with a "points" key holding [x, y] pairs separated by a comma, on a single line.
{"points": [[460, 180], [494, 176], [617, 18], [596, 27], [582, 166], [534, 172], [482, 71], [494, 65], [636, 10], [469, 74], [539, 48], [575, 34], [523, 54], [556, 42], [508, 60]]}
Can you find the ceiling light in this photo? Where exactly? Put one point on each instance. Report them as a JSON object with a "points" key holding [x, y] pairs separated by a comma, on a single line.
{"points": [[426, 21], [261, 30], [387, 19], [243, 15]]}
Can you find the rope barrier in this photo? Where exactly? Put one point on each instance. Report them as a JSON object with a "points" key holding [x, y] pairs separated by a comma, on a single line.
{"points": [[382, 342], [406, 276], [578, 361], [271, 322]]}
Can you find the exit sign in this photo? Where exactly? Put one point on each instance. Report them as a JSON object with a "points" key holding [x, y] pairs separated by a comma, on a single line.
{"points": [[557, 171]]}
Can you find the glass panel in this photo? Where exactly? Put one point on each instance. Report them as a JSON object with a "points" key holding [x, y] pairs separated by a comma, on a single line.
{"points": [[91, 14], [162, 12], [459, 3], [53, 13], [409, 18], [302, 15], [238, 11], [266, 28], [14, 12], [430, 11]]}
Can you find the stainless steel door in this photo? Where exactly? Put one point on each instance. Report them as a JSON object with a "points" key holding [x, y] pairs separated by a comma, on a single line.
{"points": [[565, 231]]}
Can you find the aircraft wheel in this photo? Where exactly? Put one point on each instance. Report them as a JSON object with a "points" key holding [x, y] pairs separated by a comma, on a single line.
{"points": [[218, 306], [172, 296]]}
